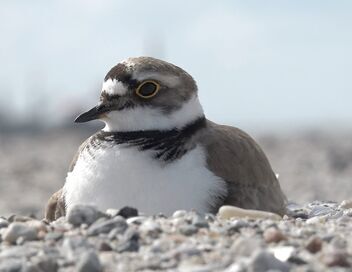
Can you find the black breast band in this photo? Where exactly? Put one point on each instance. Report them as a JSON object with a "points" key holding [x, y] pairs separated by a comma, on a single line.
{"points": [[167, 144]]}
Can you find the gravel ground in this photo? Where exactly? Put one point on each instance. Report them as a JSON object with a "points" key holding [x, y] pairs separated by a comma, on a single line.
{"points": [[314, 237]]}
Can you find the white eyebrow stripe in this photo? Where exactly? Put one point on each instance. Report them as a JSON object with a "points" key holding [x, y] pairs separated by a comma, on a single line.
{"points": [[169, 80], [114, 87]]}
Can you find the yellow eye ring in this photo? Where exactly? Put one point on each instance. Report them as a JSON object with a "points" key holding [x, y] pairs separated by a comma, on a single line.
{"points": [[148, 89]]}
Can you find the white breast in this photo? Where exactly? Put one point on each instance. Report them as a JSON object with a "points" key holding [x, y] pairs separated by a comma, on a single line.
{"points": [[120, 176]]}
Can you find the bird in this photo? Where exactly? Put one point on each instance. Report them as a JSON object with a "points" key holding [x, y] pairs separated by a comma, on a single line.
{"points": [[159, 153]]}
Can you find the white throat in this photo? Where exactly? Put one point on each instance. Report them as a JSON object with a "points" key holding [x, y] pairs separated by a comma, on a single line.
{"points": [[144, 118]]}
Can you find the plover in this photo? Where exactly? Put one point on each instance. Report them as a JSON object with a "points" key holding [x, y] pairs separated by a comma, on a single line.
{"points": [[158, 152]]}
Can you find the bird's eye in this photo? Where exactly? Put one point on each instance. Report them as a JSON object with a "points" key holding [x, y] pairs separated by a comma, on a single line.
{"points": [[148, 89]]}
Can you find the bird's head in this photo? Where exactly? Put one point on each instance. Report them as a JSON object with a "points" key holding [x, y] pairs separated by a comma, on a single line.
{"points": [[145, 94]]}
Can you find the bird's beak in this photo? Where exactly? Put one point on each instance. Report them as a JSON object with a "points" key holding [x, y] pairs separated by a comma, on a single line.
{"points": [[92, 114]]}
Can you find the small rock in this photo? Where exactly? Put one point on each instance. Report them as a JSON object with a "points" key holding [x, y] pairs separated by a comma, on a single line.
{"points": [[262, 261], [45, 263], [179, 213], [17, 230], [199, 222], [104, 246], [316, 220], [11, 265], [118, 223], [89, 262], [83, 214], [235, 226], [335, 258], [282, 253], [3, 223], [128, 212], [188, 230], [314, 244], [129, 242], [273, 235], [112, 212], [227, 212], [151, 228], [346, 204]]}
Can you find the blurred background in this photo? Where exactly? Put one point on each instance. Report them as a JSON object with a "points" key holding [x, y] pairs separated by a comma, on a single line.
{"points": [[281, 70]]}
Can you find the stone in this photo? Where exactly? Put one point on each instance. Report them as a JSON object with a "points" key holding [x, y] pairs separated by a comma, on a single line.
{"points": [[188, 229], [282, 253], [262, 261], [346, 204], [128, 212], [273, 235], [17, 230], [199, 221], [3, 223], [314, 244], [118, 223], [112, 212], [89, 262], [235, 226], [83, 214], [179, 213], [129, 242], [150, 228], [334, 257], [228, 212], [11, 265], [45, 263]]}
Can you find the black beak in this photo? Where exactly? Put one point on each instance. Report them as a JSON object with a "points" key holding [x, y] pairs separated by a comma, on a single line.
{"points": [[92, 114]]}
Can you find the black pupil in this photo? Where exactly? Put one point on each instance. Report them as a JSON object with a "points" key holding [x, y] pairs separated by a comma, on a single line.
{"points": [[147, 89]]}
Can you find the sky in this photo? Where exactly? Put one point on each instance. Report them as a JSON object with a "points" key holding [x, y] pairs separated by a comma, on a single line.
{"points": [[257, 63]]}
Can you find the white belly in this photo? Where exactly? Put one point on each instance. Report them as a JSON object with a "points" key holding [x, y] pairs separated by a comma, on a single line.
{"points": [[123, 176]]}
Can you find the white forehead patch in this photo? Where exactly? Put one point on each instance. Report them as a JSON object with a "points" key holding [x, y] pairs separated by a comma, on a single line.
{"points": [[114, 87]]}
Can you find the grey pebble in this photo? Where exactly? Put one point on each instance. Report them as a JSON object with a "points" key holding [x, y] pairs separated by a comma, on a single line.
{"points": [[83, 214], [89, 262], [118, 223], [263, 261], [17, 230], [199, 221], [188, 229], [3, 223], [53, 236], [129, 242], [11, 265]]}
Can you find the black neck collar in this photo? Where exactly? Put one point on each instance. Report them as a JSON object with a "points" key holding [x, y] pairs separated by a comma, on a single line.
{"points": [[167, 144]]}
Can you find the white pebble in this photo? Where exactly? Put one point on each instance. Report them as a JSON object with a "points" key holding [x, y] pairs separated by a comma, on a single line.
{"points": [[346, 204], [227, 212]]}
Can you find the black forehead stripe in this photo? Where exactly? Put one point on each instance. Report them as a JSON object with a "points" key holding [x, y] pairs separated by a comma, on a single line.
{"points": [[122, 73]]}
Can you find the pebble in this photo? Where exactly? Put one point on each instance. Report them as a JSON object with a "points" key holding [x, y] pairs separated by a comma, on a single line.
{"points": [[185, 241], [188, 230], [346, 204], [17, 230], [273, 235], [3, 223], [228, 212], [263, 261], [314, 244], [117, 223], [128, 212], [83, 214], [335, 258], [89, 262]]}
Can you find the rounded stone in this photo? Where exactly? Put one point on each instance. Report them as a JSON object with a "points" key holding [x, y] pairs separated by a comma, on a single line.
{"points": [[18, 230], [273, 235]]}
